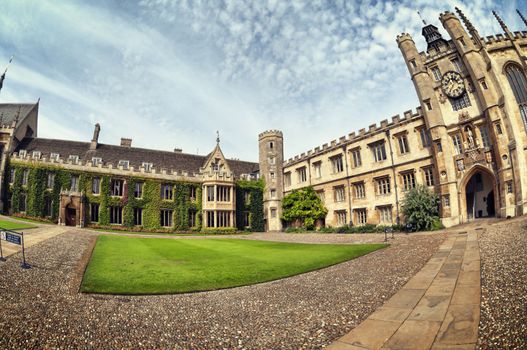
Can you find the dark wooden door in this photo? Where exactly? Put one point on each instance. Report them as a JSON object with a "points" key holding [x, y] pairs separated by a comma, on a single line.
{"points": [[71, 217]]}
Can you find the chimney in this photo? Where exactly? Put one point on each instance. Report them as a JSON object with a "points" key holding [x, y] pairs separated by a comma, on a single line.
{"points": [[178, 150], [95, 139], [126, 142]]}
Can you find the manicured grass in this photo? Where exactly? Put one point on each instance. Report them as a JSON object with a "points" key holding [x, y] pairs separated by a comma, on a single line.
{"points": [[133, 265], [13, 225]]}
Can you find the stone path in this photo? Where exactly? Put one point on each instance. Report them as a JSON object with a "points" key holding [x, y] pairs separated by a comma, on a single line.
{"points": [[438, 308], [33, 236]]}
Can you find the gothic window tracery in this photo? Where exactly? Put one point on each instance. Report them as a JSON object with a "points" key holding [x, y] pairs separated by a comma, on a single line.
{"points": [[518, 84]]}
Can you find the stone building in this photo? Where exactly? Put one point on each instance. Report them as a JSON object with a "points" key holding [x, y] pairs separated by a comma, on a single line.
{"points": [[467, 141]]}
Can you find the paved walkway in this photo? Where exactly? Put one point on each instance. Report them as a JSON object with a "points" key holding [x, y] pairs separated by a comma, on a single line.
{"points": [[438, 308], [33, 236]]}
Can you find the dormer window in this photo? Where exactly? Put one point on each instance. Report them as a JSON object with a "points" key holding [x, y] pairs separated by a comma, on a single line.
{"points": [[22, 153], [36, 154], [147, 166], [96, 161], [54, 156], [73, 158], [124, 164]]}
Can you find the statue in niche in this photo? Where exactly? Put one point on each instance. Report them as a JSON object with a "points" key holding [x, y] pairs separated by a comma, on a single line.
{"points": [[460, 165], [470, 137]]}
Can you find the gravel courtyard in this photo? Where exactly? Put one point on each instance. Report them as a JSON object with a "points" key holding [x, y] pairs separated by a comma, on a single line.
{"points": [[41, 307]]}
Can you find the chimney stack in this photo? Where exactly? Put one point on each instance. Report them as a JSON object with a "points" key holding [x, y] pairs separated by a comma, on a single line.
{"points": [[178, 150], [126, 142], [95, 139]]}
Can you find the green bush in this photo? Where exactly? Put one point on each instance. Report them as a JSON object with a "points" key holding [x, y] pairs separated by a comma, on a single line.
{"points": [[304, 205], [421, 208]]}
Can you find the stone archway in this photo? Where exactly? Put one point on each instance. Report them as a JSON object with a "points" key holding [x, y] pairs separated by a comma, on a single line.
{"points": [[479, 194]]}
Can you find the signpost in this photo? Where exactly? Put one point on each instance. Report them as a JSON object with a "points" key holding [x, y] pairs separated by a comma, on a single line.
{"points": [[14, 238]]}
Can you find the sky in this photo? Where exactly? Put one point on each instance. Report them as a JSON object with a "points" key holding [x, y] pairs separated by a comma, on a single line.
{"points": [[170, 73]]}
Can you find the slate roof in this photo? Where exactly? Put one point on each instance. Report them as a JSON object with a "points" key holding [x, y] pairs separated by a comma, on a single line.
{"points": [[136, 156], [9, 111]]}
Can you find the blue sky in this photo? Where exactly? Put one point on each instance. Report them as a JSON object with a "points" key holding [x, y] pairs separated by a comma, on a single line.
{"points": [[170, 73]]}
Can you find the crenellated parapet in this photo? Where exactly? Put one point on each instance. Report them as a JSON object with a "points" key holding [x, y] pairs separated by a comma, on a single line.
{"points": [[270, 133], [372, 130]]}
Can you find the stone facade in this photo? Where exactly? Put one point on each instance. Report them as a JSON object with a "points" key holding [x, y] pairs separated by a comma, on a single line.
{"points": [[466, 141]]}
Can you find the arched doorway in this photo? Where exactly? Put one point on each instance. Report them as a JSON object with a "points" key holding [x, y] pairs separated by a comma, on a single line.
{"points": [[71, 216], [480, 198]]}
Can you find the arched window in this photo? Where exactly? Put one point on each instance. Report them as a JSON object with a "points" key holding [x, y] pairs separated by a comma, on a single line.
{"points": [[518, 84]]}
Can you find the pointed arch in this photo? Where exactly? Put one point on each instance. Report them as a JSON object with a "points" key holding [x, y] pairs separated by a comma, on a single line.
{"points": [[469, 174], [518, 83]]}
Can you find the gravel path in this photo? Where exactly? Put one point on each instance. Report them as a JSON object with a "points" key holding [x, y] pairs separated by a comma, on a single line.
{"points": [[503, 323], [41, 308]]}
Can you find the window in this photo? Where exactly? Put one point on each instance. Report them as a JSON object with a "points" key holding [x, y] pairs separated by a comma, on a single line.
{"points": [[166, 217], [518, 83], [116, 215], [138, 216], [484, 132], [483, 84], [302, 176], [74, 183], [210, 219], [224, 193], [272, 160], [446, 200], [340, 215], [25, 177], [138, 191], [408, 181], [210, 193], [54, 156], [437, 73], [22, 153], [317, 169], [429, 176], [509, 186], [22, 201], [321, 195], [167, 192], [498, 128], [271, 144], [96, 161], [51, 181], [414, 65], [116, 187], [246, 219], [273, 193], [439, 147], [403, 144], [425, 137], [12, 174], [338, 165], [462, 42], [428, 105], [355, 155], [287, 179], [461, 102], [124, 164], [192, 193], [147, 167], [340, 194], [48, 207], [272, 175], [224, 218], [383, 186], [36, 154], [192, 218], [361, 216], [379, 151], [385, 215], [457, 64], [358, 189], [73, 159], [247, 197], [273, 212], [96, 185], [94, 212], [458, 146]]}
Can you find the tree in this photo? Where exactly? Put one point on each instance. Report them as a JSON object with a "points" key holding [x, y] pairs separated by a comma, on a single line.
{"points": [[421, 208], [304, 205]]}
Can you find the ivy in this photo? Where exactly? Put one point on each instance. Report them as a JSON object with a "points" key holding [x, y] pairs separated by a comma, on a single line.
{"points": [[304, 205], [254, 206]]}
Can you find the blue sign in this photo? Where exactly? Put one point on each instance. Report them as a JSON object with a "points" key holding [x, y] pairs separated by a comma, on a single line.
{"points": [[12, 237]]}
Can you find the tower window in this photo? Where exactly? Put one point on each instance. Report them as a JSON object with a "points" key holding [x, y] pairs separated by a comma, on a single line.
{"points": [[456, 140], [498, 128], [414, 65], [483, 84], [462, 42], [456, 64], [437, 73], [461, 102], [428, 105], [271, 145]]}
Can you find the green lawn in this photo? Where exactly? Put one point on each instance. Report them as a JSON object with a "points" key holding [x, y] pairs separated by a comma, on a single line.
{"points": [[133, 265], [13, 225]]}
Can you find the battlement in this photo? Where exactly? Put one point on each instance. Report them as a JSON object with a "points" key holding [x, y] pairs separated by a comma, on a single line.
{"points": [[502, 38], [404, 36], [443, 16], [353, 136], [270, 133]]}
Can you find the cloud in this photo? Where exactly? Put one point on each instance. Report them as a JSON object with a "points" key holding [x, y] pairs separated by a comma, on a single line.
{"points": [[171, 73]]}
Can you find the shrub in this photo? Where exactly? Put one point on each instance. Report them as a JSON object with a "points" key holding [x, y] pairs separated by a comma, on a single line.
{"points": [[304, 205], [421, 208]]}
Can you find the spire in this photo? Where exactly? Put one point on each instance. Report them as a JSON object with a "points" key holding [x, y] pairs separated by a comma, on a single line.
{"points": [[521, 16], [471, 29], [217, 137], [433, 37], [502, 24], [419, 13], [2, 77]]}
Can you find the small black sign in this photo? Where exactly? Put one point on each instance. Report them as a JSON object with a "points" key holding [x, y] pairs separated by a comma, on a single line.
{"points": [[11, 237]]}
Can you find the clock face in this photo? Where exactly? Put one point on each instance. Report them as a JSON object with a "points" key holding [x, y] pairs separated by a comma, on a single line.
{"points": [[452, 84]]}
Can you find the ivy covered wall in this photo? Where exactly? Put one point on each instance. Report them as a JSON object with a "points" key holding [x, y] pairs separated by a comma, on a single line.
{"points": [[37, 193], [249, 199]]}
